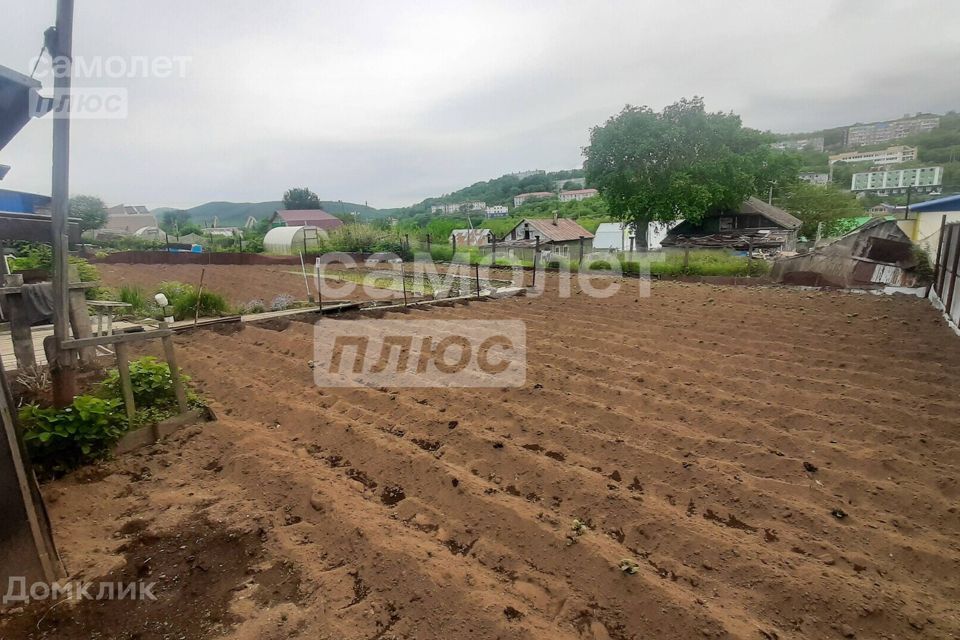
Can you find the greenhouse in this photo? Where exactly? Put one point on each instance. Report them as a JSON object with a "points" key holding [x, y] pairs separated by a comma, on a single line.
{"points": [[293, 240]]}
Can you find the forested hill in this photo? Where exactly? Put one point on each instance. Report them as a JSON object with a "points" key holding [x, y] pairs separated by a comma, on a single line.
{"points": [[500, 190]]}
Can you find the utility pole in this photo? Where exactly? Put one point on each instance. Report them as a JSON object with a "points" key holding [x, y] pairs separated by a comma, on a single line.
{"points": [[62, 54], [906, 213]]}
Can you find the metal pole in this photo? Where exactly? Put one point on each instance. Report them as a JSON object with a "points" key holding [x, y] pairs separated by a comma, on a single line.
{"points": [[60, 190]]}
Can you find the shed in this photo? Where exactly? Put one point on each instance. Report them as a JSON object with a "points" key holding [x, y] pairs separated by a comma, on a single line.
{"points": [[293, 240], [922, 223], [471, 237], [754, 223], [615, 236], [875, 254]]}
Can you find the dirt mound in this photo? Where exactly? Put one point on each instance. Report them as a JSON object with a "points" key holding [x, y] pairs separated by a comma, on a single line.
{"points": [[708, 462]]}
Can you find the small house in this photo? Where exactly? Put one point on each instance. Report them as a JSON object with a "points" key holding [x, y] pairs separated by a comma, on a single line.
{"points": [[619, 236], [754, 223], [317, 218], [556, 235]]}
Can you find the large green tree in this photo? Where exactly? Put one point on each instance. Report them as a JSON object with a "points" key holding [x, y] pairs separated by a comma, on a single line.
{"points": [[175, 221], [91, 211], [816, 205], [300, 198], [680, 163]]}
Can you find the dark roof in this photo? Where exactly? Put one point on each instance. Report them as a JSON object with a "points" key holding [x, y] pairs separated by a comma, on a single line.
{"points": [[753, 206], [560, 230], [15, 92], [308, 217], [949, 203]]}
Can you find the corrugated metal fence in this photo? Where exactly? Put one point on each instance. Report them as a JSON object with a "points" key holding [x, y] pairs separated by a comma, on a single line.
{"points": [[945, 281]]}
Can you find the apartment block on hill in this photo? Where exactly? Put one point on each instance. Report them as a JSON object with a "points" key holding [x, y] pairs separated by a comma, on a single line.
{"points": [[925, 179], [880, 132]]}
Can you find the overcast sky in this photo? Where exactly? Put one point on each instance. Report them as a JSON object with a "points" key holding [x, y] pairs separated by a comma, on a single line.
{"points": [[391, 102]]}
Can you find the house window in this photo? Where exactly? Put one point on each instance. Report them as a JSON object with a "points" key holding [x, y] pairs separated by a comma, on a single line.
{"points": [[726, 224]]}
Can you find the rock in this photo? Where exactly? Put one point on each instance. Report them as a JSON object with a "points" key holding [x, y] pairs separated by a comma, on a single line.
{"points": [[810, 468], [317, 502], [847, 631]]}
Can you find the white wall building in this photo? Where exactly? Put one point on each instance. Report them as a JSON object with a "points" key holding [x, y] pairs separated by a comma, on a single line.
{"points": [[890, 155], [578, 194], [924, 179], [820, 179], [880, 132], [497, 211], [615, 236], [523, 197]]}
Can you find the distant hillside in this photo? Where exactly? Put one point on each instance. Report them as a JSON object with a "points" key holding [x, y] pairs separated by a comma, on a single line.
{"points": [[499, 190], [236, 213]]}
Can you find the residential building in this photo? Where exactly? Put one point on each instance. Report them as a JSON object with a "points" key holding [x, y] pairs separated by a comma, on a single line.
{"points": [[557, 235], [890, 155], [804, 144], [922, 222], [924, 179], [820, 179], [459, 207], [496, 211], [578, 194], [880, 132], [754, 224], [471, 237], [535, 195], [316, 218], [619, 236], [127, 220]]}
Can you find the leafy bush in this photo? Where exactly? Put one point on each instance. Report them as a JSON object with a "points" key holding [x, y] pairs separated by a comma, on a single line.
{"points": [[254, 306], [924, 268], [83, 432], [281, 302], [600, 265], [183, 298], [40, 256], [139, 303], [210, 304]]}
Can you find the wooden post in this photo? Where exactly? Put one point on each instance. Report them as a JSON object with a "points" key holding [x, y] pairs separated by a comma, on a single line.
{"points": [[476, 273], [749, 257], [319, 289], [453, 239], [581, 251], [536, 257], [686, 258], [403, 284], [126, 386], [196, 310], [21, 334], [61, 48], [428, 245], [175, 378], [80, 321], [493, 253], [955, 241], [937, 268]]}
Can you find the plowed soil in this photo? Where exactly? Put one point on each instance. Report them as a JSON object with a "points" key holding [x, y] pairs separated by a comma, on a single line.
{"points": [[777, 463]]}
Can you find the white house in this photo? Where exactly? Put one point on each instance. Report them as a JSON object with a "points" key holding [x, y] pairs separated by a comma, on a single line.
{"points": [[615, 236], [471, 237], [497, 211], [534, 195]]}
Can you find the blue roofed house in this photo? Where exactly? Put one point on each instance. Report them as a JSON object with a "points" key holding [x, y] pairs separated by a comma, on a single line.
{"points": [[922, 222]]}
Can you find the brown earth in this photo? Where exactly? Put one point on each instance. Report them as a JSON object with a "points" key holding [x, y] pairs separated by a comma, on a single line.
{"points": [[239, 284], [777, 463]]}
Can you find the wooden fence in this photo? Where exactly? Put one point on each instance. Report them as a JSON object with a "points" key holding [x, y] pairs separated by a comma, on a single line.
{"points": [[945, 281]]}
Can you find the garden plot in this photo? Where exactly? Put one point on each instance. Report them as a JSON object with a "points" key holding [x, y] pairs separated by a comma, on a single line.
{"points": [[707, 462]]}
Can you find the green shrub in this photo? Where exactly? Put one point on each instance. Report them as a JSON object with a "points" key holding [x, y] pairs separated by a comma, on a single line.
{"points": [[151, 382], [59, 440], [600, 265], [183, 298], [210, 304]]}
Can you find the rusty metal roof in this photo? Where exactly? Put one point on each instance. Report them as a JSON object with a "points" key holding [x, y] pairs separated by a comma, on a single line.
{"points": [[559, 230]]}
